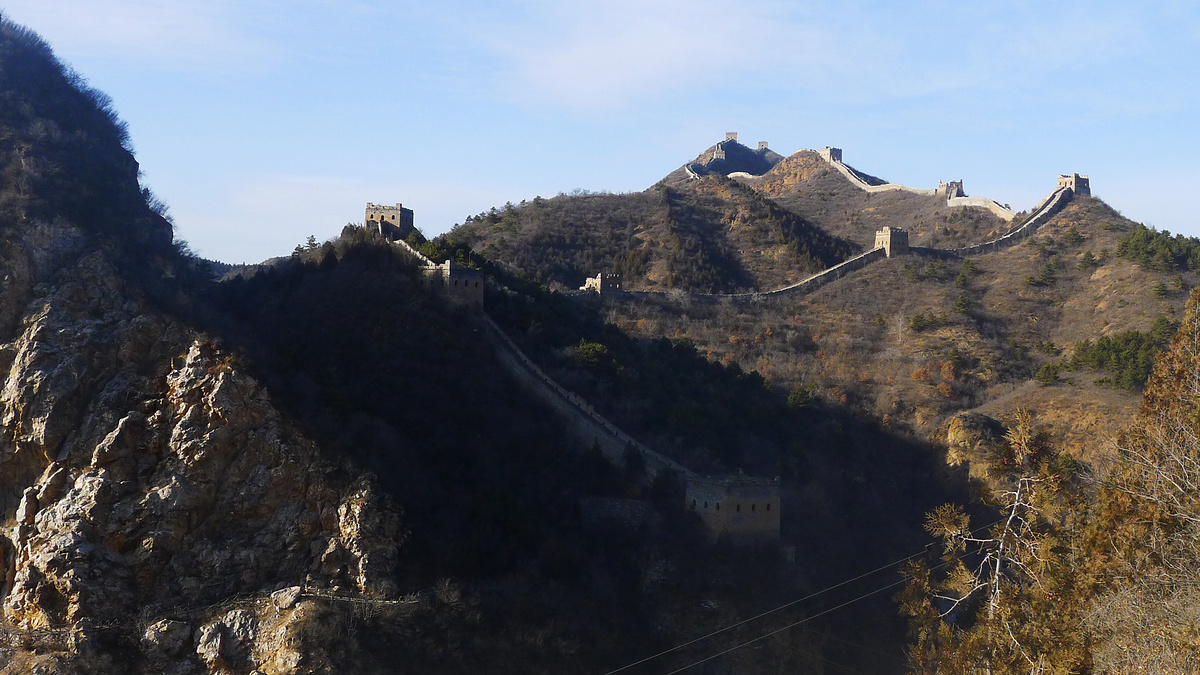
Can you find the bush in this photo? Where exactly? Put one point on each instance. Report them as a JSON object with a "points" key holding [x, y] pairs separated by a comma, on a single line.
{"points": [[1047, 374]]}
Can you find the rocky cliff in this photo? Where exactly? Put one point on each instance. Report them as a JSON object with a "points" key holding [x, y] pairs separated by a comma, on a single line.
{"points": [[145, 477]]}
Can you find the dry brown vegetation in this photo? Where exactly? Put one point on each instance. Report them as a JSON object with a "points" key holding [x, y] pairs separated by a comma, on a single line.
{"points": [[914, 340], [809, 187]]}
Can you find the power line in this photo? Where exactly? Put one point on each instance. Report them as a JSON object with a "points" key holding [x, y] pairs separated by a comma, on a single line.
{"points": [[766, 613], [789, 626], [793, 602]]}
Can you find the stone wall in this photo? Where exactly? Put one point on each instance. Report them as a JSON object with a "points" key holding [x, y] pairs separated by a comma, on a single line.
{"points": [[952, 190], [983, 203], [583, 421], [802, 287]]}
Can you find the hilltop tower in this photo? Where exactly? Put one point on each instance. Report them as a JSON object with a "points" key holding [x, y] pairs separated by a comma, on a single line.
{"points": [[830, 154], [1077, 183], [602, 283], [731, 136], [736, 509], [394, 222], [893, 240], [762, 145], [952, 189]]}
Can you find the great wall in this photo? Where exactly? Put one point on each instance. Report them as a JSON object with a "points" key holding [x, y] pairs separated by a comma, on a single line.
{"points": [[703, 494], [1068, 186]]}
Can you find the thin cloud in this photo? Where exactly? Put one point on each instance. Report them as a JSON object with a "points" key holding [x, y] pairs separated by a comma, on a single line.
{"points": [[155, 33]]}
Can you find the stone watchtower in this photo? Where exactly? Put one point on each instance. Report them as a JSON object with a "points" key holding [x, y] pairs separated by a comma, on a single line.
{"points": [[830, 154], [952, 189], [459, 284], [731, 136], [1078, 184], [762, 146], [736, 509], [394, 222], [602, 283], [893, 240]]}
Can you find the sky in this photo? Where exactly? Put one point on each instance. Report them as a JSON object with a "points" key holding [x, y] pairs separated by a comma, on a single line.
{"points": [[261, 122]]}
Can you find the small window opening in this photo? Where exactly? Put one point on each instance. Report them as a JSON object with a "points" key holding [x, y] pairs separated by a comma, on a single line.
{"points": [[739, 508]]}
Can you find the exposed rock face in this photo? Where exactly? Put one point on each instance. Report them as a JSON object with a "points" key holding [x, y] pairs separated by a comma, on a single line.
{"points": [[142, 471]]}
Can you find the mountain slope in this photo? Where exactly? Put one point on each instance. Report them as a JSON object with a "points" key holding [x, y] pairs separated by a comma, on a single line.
{"points": [[710, 235], [914, 340], [808, 186], [725, 158]]}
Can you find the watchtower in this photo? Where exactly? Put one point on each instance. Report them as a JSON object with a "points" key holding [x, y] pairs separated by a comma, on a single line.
{"points": [[762, 145], [394, 222], [893, 240], [602, 283], [736, 509], [952, 189], [830, 154], [459, 284], [1078, 184], [718, 153], [731, 136]]}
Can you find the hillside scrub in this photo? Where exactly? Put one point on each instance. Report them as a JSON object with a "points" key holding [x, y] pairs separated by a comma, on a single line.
{"points": [[1089, 569]]}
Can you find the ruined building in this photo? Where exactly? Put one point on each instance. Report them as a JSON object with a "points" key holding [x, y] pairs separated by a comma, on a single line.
{"points": [[736, 509], [459, 284], [602, 283], [893, 240], [952, 189], [394, 222], [1078, 184]]}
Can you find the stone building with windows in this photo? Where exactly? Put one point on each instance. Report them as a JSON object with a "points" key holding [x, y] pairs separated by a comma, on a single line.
{"points": [[394, 222], [738, 509]]}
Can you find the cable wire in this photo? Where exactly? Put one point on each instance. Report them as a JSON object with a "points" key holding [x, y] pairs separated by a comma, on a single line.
{"points": [[766, 613], [793, 602]]}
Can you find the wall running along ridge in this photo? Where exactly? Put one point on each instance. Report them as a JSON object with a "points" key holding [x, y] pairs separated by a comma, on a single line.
{"points": [[583, 421], [1049, 206], [982, 202]]}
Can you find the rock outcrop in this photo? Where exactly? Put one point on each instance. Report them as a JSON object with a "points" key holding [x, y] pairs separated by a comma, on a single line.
{"points": [[145, 476]]}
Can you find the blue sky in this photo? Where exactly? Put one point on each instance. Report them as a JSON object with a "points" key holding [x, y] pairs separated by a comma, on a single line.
{"points": [[262, 121]]}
